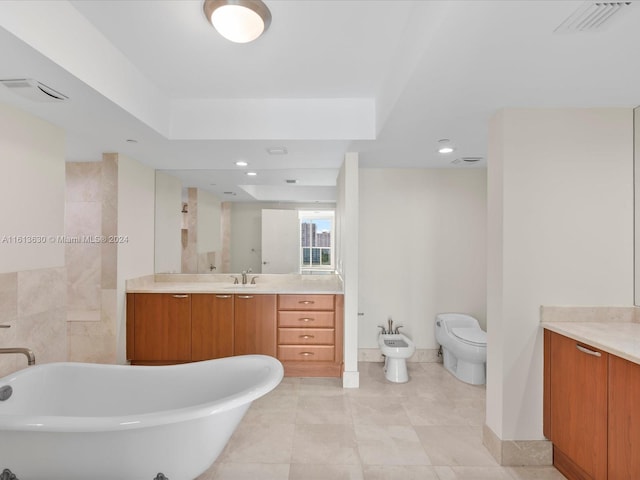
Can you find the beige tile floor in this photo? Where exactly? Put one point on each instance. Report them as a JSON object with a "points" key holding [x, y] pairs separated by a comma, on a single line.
{"points": [[312, 429]]}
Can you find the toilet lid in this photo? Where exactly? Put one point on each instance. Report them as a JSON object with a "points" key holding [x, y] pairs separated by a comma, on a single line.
{"points": [[474, 336]]}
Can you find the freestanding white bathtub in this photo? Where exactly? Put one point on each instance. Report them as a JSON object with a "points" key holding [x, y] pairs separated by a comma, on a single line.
{"points": [[75, 421]]}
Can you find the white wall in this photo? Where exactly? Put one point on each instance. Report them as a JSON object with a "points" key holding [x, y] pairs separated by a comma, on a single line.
{"points": [[33, 293], [209, 209], [136, 200], [168, 223], [560, 233], [347, 258], [422, 249], [32, 186]]}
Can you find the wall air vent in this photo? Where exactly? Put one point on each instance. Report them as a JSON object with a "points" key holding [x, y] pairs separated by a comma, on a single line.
{"points": [[33, 90], [591, 16]]}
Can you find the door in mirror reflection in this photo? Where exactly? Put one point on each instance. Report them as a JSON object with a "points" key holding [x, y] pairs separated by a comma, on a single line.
{"points": [[280, 241]]}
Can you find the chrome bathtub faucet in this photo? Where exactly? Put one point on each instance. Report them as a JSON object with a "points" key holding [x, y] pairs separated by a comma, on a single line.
{"points": [[27, 352]]}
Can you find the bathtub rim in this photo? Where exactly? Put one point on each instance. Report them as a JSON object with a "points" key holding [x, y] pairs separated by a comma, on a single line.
{"points": [[93, 424]]}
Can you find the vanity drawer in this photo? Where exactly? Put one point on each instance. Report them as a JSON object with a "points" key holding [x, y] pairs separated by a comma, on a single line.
{"points": [[306, 319], [306, 353], [305, 336], [305, 302]]}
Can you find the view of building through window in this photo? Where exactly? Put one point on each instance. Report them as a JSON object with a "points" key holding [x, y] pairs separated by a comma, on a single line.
{"points": [[316, 243]]}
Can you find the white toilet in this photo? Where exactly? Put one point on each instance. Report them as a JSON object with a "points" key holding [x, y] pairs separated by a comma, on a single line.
{"points": [[464, 346], [396, 348]]}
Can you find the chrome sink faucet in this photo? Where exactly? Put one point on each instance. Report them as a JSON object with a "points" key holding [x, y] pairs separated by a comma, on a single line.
{"points": [[244, 276]]}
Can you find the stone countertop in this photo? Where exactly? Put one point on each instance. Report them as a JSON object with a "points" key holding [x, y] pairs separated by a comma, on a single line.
{"points": [[618, 338], [223, 283]]}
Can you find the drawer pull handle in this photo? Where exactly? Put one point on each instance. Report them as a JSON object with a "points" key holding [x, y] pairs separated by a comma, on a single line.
{"points": [[306, 302], [306, 319], [245, 296], [588, 351], [306, 354], [307, 336], [180, 296], [223, 296]]}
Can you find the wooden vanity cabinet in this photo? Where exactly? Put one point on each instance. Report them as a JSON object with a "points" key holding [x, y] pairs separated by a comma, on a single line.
{"points": [[255, 324], [159, 328], [310, 334], [624, 419], [212, 318], [303, 331], [165, 328], [578, 407], [591, 410]]}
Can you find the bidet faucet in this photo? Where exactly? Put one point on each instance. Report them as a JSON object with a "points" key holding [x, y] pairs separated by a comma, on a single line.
{"points": [[27, 352]]}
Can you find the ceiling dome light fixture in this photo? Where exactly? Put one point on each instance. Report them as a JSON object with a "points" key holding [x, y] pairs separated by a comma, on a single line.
{"points": [[240, 21], [445, 146]]}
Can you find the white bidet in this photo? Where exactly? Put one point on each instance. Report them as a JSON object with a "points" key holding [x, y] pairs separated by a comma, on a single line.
{"points": [[396, 348]]}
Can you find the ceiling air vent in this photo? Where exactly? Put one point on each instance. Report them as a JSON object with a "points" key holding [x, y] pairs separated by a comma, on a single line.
{"points": [[590, 16], [466, 160], [33, 90]]}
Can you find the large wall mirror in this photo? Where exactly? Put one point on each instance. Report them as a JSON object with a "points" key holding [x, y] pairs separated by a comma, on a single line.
{"points": [[206, 223]]}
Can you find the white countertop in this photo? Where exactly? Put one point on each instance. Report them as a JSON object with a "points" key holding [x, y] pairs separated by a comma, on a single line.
{"points": [[618, 338], [223, 283]]}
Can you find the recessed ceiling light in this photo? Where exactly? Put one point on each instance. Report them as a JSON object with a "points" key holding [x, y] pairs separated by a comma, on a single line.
{"points": [[277, 151], [445, 146], [240, 21], [252, 174], [241, 163]]}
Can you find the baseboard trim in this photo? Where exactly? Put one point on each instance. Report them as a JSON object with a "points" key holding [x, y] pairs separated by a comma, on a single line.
{"points": [[515, 453], [350, 379], [422, 355]]}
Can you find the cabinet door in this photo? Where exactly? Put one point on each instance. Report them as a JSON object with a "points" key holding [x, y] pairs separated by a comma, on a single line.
{"points": [[624, 419], [578, 399], [162, 327], [211, 326], [255, 324]]}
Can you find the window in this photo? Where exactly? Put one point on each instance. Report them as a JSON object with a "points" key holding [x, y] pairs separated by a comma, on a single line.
{"points": [[316, 240]]}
